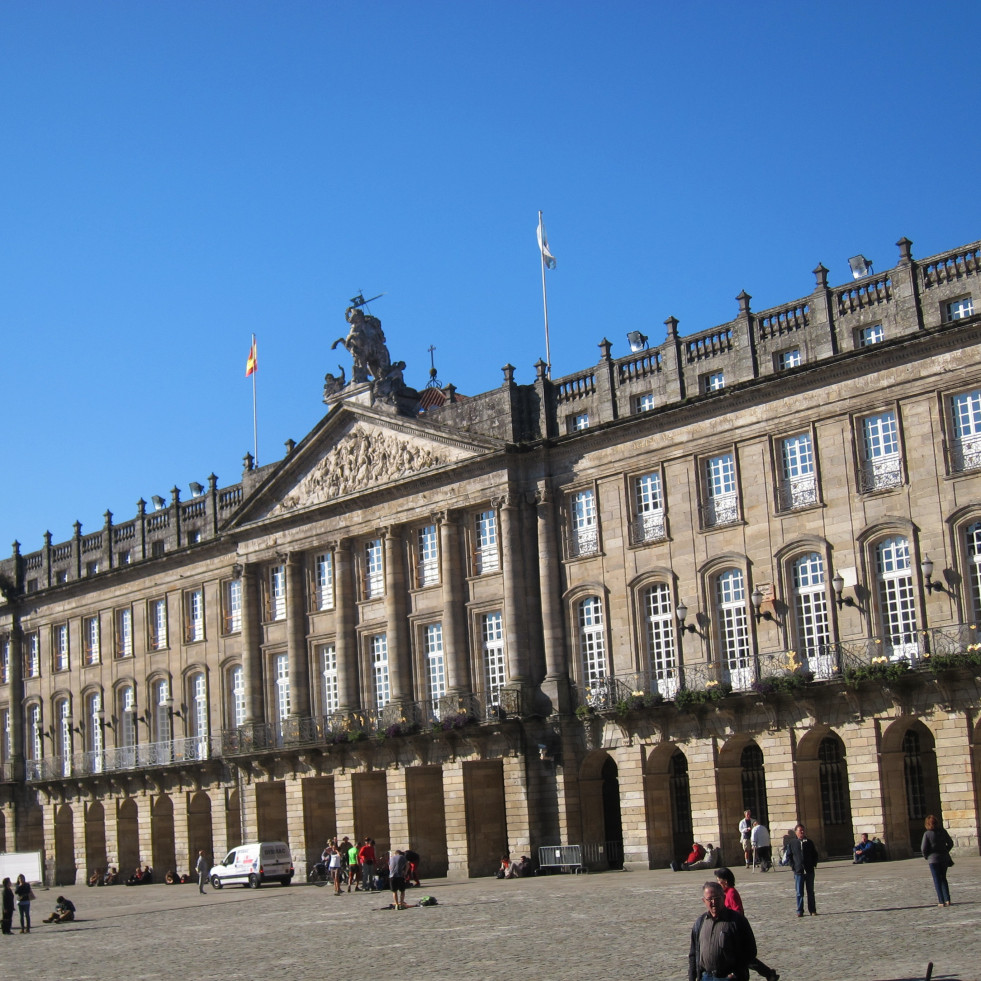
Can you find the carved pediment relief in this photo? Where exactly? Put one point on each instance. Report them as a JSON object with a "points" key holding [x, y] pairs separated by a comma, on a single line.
{"points": [[365, 457]]}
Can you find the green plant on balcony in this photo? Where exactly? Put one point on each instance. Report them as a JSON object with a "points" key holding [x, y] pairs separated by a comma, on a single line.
{"points": [[584, 712], [688, 699], [879, 669], [636, 701], [969, 658]]}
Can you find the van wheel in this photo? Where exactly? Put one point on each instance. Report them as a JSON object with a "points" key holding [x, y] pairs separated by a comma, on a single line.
{"points": [[215, 882], [254, 881], [286, 882]]}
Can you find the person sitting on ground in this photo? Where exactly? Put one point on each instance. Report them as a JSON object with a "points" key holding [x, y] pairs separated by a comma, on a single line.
{"points": [[64, 911], [864, 850], [111, 877], [172, 878], [727, 880], [95, 879], [521, 868], [696, 855], [504, 872]]}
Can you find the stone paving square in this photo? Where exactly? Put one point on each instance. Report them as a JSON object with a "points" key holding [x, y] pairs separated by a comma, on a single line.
{"points": [[875, 923]]}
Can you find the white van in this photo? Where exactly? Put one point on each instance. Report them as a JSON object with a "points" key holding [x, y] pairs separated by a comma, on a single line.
{"points": [[252, 865]]}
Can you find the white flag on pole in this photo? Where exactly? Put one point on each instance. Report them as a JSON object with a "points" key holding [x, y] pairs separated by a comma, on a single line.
{"points": [[543, 244]]}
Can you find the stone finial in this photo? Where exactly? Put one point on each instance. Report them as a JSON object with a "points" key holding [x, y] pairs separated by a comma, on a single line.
{"points": [[108, 517], [541, 370], [175, 495], [744, 299], [77, 527], [905, 251], [248, 462], [141, 507], [821, 276], [605, 347], [672, 324], [450, 391], [508, 370], [16, 548], [212, 482], [290, 445], [47, 538]]}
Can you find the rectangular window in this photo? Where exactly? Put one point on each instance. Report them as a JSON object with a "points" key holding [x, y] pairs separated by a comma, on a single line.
{"points": [[236, 689], [960, 309], [193, 615], [379, 670], [486, 556], [722, 499], [644, 403], [435, 662], [881, 462], [277, 593], [427, 556], [124, 632], [59, 643], [282, 665], [966, 430], [648, 509], [5, 735], [332, 692], [374, 569], [714, 382], [798, 478], [32, 659], [584, 538], [231, 600], [578, 422], [324, 581], [788, 359], [157, 623], [90, 640], [495, 667], [868, 336], [5, 661]]}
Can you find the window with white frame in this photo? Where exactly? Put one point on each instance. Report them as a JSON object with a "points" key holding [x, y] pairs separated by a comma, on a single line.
{"points": [[231, 603], [578, 422], [648, 508], [733, 634], [236, 695], [965, 410], [592, 641], [277, 593], [486, 556], [59, 643], [162, 709], [644, 403], [32, 660], [881, 460], [374, 569], [584, 537], [157, 624], [63, 721], [662, 657], [331, 680], [972, 535], [427, 556], [874, 334], [435, 662], [324, 581], [127, 725], [281, 666], [722, 499], [811, 614], [378, 648], [897, 606], [194, 615], [93, 728], [798, 474], [90, 640], [494, 655], [33, 748], [961, 308], [4, 660], [124, 632], [788, 359], [714, 382], [198, 713]]}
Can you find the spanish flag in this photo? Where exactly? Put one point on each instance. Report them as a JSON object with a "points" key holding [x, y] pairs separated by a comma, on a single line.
{"points": [[252, 363]]}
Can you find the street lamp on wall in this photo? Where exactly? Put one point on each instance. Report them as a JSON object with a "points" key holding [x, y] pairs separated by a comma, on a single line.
{"points": [[926, 567], [756, 598], [838, 584], [681, 612]]}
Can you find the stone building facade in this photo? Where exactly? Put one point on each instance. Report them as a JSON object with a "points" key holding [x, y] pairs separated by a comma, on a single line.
{"points": [[739, 569]]}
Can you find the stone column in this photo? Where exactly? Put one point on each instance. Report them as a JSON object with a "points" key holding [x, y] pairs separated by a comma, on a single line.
{"points": [[251, 643], [345, 618], [556, 683], [456, 818], [296, 634], [453, 578], [514, 585], [80, 808], [399, 643], [183, 859]]}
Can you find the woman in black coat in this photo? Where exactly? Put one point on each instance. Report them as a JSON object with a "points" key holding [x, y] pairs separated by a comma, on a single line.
{"points": [[8, 907], [936, 846]]}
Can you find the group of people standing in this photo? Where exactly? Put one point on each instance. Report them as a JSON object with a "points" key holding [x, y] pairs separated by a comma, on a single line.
{"points": [[19, 895], [357, 867]]}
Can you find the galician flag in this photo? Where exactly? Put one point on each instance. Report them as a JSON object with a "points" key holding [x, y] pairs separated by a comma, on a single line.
{"points": [[547, 256], [252, 363]]}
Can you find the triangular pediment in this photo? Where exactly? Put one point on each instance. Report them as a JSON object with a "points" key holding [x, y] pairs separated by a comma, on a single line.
{"points": [[356, 451]]}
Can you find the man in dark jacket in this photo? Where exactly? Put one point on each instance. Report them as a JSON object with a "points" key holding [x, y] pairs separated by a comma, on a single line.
{"points": [[803, 860], [722, 941]]}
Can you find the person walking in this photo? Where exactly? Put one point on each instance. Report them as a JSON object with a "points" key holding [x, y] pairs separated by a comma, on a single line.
{"points": [[760, 840], [733, 901], [335, 865], [803, 861], [8, 907], [722, 941], [202, 868], [24, 892], [936, 846], [745, 834]]}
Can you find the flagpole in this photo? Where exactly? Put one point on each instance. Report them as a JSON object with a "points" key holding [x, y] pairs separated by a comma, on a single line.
{"points": [[548, 355], [255, 431]]}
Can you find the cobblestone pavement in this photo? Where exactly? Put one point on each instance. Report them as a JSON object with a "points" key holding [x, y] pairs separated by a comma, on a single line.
{"points": [[877, 922]]}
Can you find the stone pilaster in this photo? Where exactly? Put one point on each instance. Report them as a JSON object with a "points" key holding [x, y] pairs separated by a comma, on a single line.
{"points": [[556, 683], [456, 818], [296, 634], [399, 643], [346, 618], [514, 584], [251, 641], [453, 578]]}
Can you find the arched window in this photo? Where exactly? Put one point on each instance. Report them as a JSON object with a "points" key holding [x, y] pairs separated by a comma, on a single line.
{"points": [[126, 734], [592, 641], [834, 798], [63, 738], [754, 782], [811, 609], [93, 730], [198, 714], [897, 610], [162, 707], [34, 747], [733, 628], [236, 696], [973, 535], [661, 649]]}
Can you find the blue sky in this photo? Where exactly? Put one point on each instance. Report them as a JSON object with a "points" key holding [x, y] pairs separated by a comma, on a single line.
{"points": [[178, 175]]}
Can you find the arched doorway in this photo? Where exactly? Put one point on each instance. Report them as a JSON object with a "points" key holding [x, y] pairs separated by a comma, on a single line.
{"points": [[741, 780], [199, 830], [602, 826], [162, 836], [233, 820], [128, 836], [910, 784], [64, 846], [667, 801], [95, 839], [821, 774]]}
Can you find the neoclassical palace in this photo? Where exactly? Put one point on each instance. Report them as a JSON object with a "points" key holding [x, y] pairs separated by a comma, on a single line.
{"points": [[738, 569]]}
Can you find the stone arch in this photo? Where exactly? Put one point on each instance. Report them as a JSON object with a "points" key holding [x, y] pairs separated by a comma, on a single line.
{"points": [[29, 836], [741, 785], [128, 836], [200, 833], [95, 839], [910, 783], [162, 836], [667, 804], [64, 846], [599, 799], [821, 776]]}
